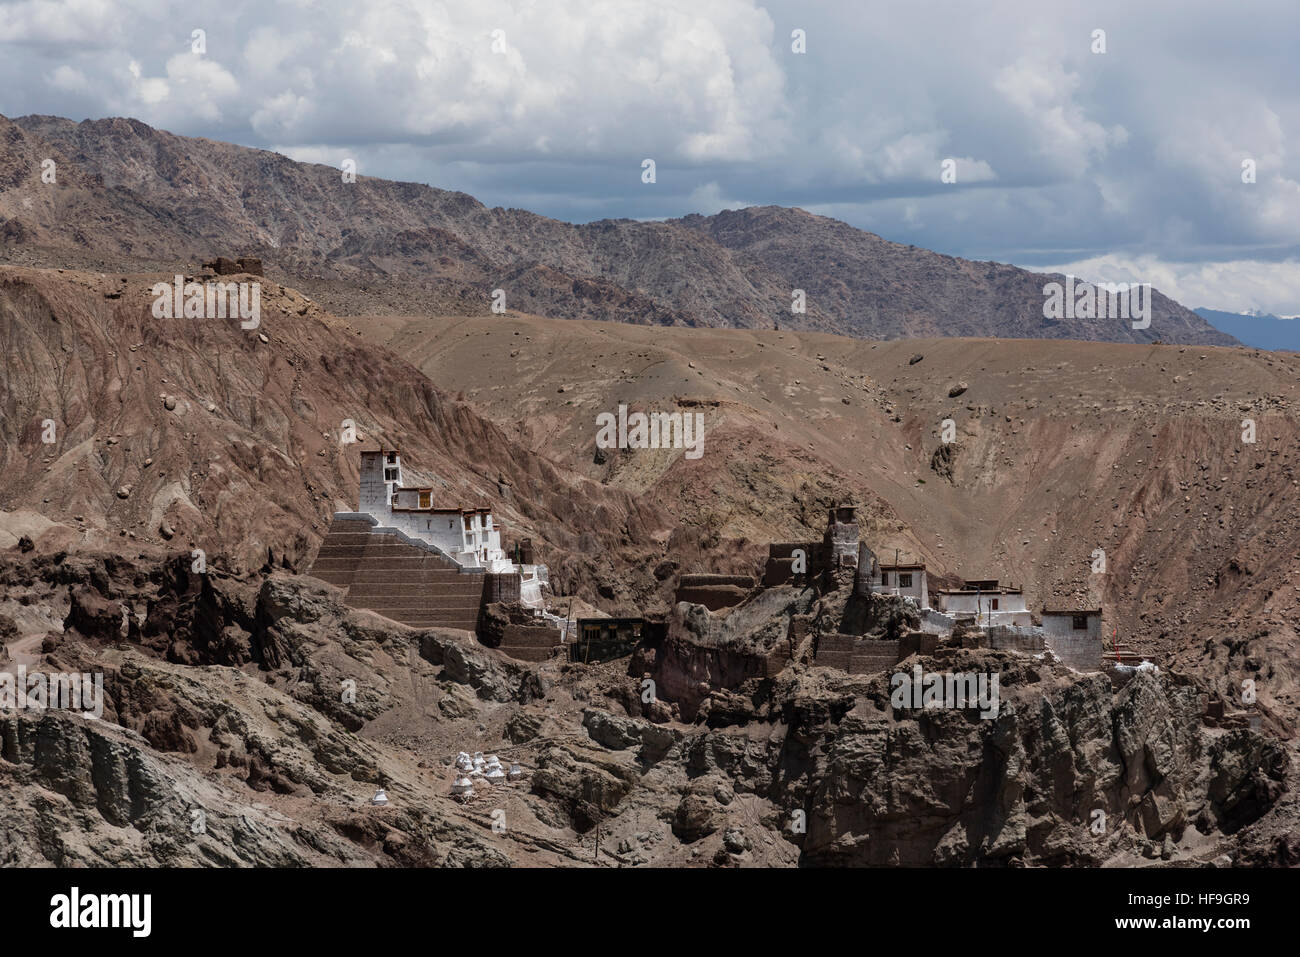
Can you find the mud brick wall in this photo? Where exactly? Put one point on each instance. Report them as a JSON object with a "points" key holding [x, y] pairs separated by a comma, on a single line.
{"points": [[1082, 653], [917, 643], [704, 581], [857, 656], [712, 597], [835, 651], [780, 561], [1001, 639], [873, 656], [714, 591], [776, 661], [502, 586], [529, 643]]}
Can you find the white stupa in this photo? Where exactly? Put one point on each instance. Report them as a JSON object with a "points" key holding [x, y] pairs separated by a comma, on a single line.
{"points": [[380, 798], [516, 773], [463, 762], [462, 787]]}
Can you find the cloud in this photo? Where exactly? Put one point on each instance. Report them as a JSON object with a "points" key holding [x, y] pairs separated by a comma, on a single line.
{"points": [[1241, 285], [1063, 155], [1054, 124], [708, 199], [192, 87], [63, 23]]}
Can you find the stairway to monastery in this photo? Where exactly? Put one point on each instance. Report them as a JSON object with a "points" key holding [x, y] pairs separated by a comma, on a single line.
{"points": [[387, 573]]}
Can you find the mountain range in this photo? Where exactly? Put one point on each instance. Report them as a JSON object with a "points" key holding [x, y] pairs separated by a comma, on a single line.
{"points": [[1261, 330], [129, 197]]}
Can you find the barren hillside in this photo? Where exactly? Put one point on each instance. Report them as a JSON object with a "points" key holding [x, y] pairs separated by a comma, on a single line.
{"points": [[200, 433], [222, 689], [1061, 448]]}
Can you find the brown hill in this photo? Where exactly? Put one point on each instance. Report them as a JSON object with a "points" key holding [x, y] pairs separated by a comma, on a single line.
{"points": [[224, 688], [135, 198], [194, 432], [1061, 448]]}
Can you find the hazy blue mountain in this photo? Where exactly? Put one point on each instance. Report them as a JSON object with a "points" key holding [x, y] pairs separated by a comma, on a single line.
{"points": [[1261, 330]]}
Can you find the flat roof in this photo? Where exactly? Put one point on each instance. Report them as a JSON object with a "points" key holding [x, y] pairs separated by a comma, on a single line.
{"points": [[484, 510], [1001, 590], [891, 567], [1071, 611]]}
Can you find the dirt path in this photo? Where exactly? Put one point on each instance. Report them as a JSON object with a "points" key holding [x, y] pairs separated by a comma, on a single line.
{"points": [[24, 651]]}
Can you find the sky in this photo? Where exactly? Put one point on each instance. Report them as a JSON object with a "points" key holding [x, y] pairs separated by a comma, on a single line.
{"points": [[1122, 165]]}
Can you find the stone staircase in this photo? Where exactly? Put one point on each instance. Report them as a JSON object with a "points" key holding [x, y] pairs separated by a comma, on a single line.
{"points": [[387, 572]]}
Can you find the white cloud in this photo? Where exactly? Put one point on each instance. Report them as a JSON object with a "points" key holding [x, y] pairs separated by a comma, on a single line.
{"points": [[86, 23], [1072, 156], [1059, 131], [708, 199], [1240, 285], [194, 86]]}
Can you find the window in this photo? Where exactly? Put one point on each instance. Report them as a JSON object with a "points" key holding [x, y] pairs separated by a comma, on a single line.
{"points": [[1080, 622], [993, 604], [390, 475], [905, 581]]}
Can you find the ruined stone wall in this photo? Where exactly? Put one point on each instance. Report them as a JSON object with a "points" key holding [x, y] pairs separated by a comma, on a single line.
{"points": [[842, 537], [714, 591], [780, 561], [857, 656], [917, 643], [1027, 641], [936, 622]]}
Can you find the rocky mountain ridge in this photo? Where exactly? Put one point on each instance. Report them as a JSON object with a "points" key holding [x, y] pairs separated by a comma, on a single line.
{"points": [[128, 197]]}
